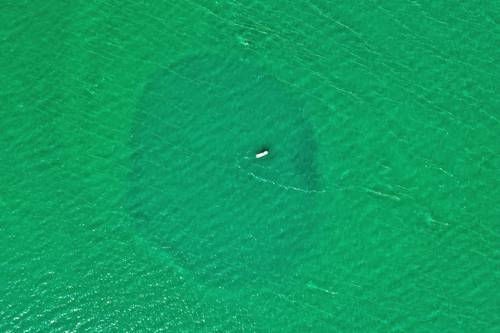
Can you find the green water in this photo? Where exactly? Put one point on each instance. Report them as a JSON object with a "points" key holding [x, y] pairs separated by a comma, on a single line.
{"points": [[130, 198]]}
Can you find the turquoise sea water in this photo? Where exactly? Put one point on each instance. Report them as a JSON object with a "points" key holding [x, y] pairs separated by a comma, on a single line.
{"points": [[130, 198]]}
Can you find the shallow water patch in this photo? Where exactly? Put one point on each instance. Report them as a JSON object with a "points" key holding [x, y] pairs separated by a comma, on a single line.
{"points": [[196, 188]]}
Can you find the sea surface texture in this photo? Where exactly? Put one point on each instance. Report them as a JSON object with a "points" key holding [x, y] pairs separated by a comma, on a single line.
{"points": [[131, 199]]}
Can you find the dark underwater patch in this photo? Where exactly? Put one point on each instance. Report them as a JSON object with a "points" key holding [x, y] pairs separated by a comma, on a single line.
{"points": [[196, 188]]}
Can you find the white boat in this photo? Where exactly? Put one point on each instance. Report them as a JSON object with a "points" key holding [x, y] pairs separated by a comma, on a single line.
{"points": [[262, 154]]}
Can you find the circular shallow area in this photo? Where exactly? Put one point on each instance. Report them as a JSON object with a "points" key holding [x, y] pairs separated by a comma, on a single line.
{"points": [[196, 188]]}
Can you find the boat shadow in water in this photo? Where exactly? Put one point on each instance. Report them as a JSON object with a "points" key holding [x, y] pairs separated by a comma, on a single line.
{"points": [[197, 189]]}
